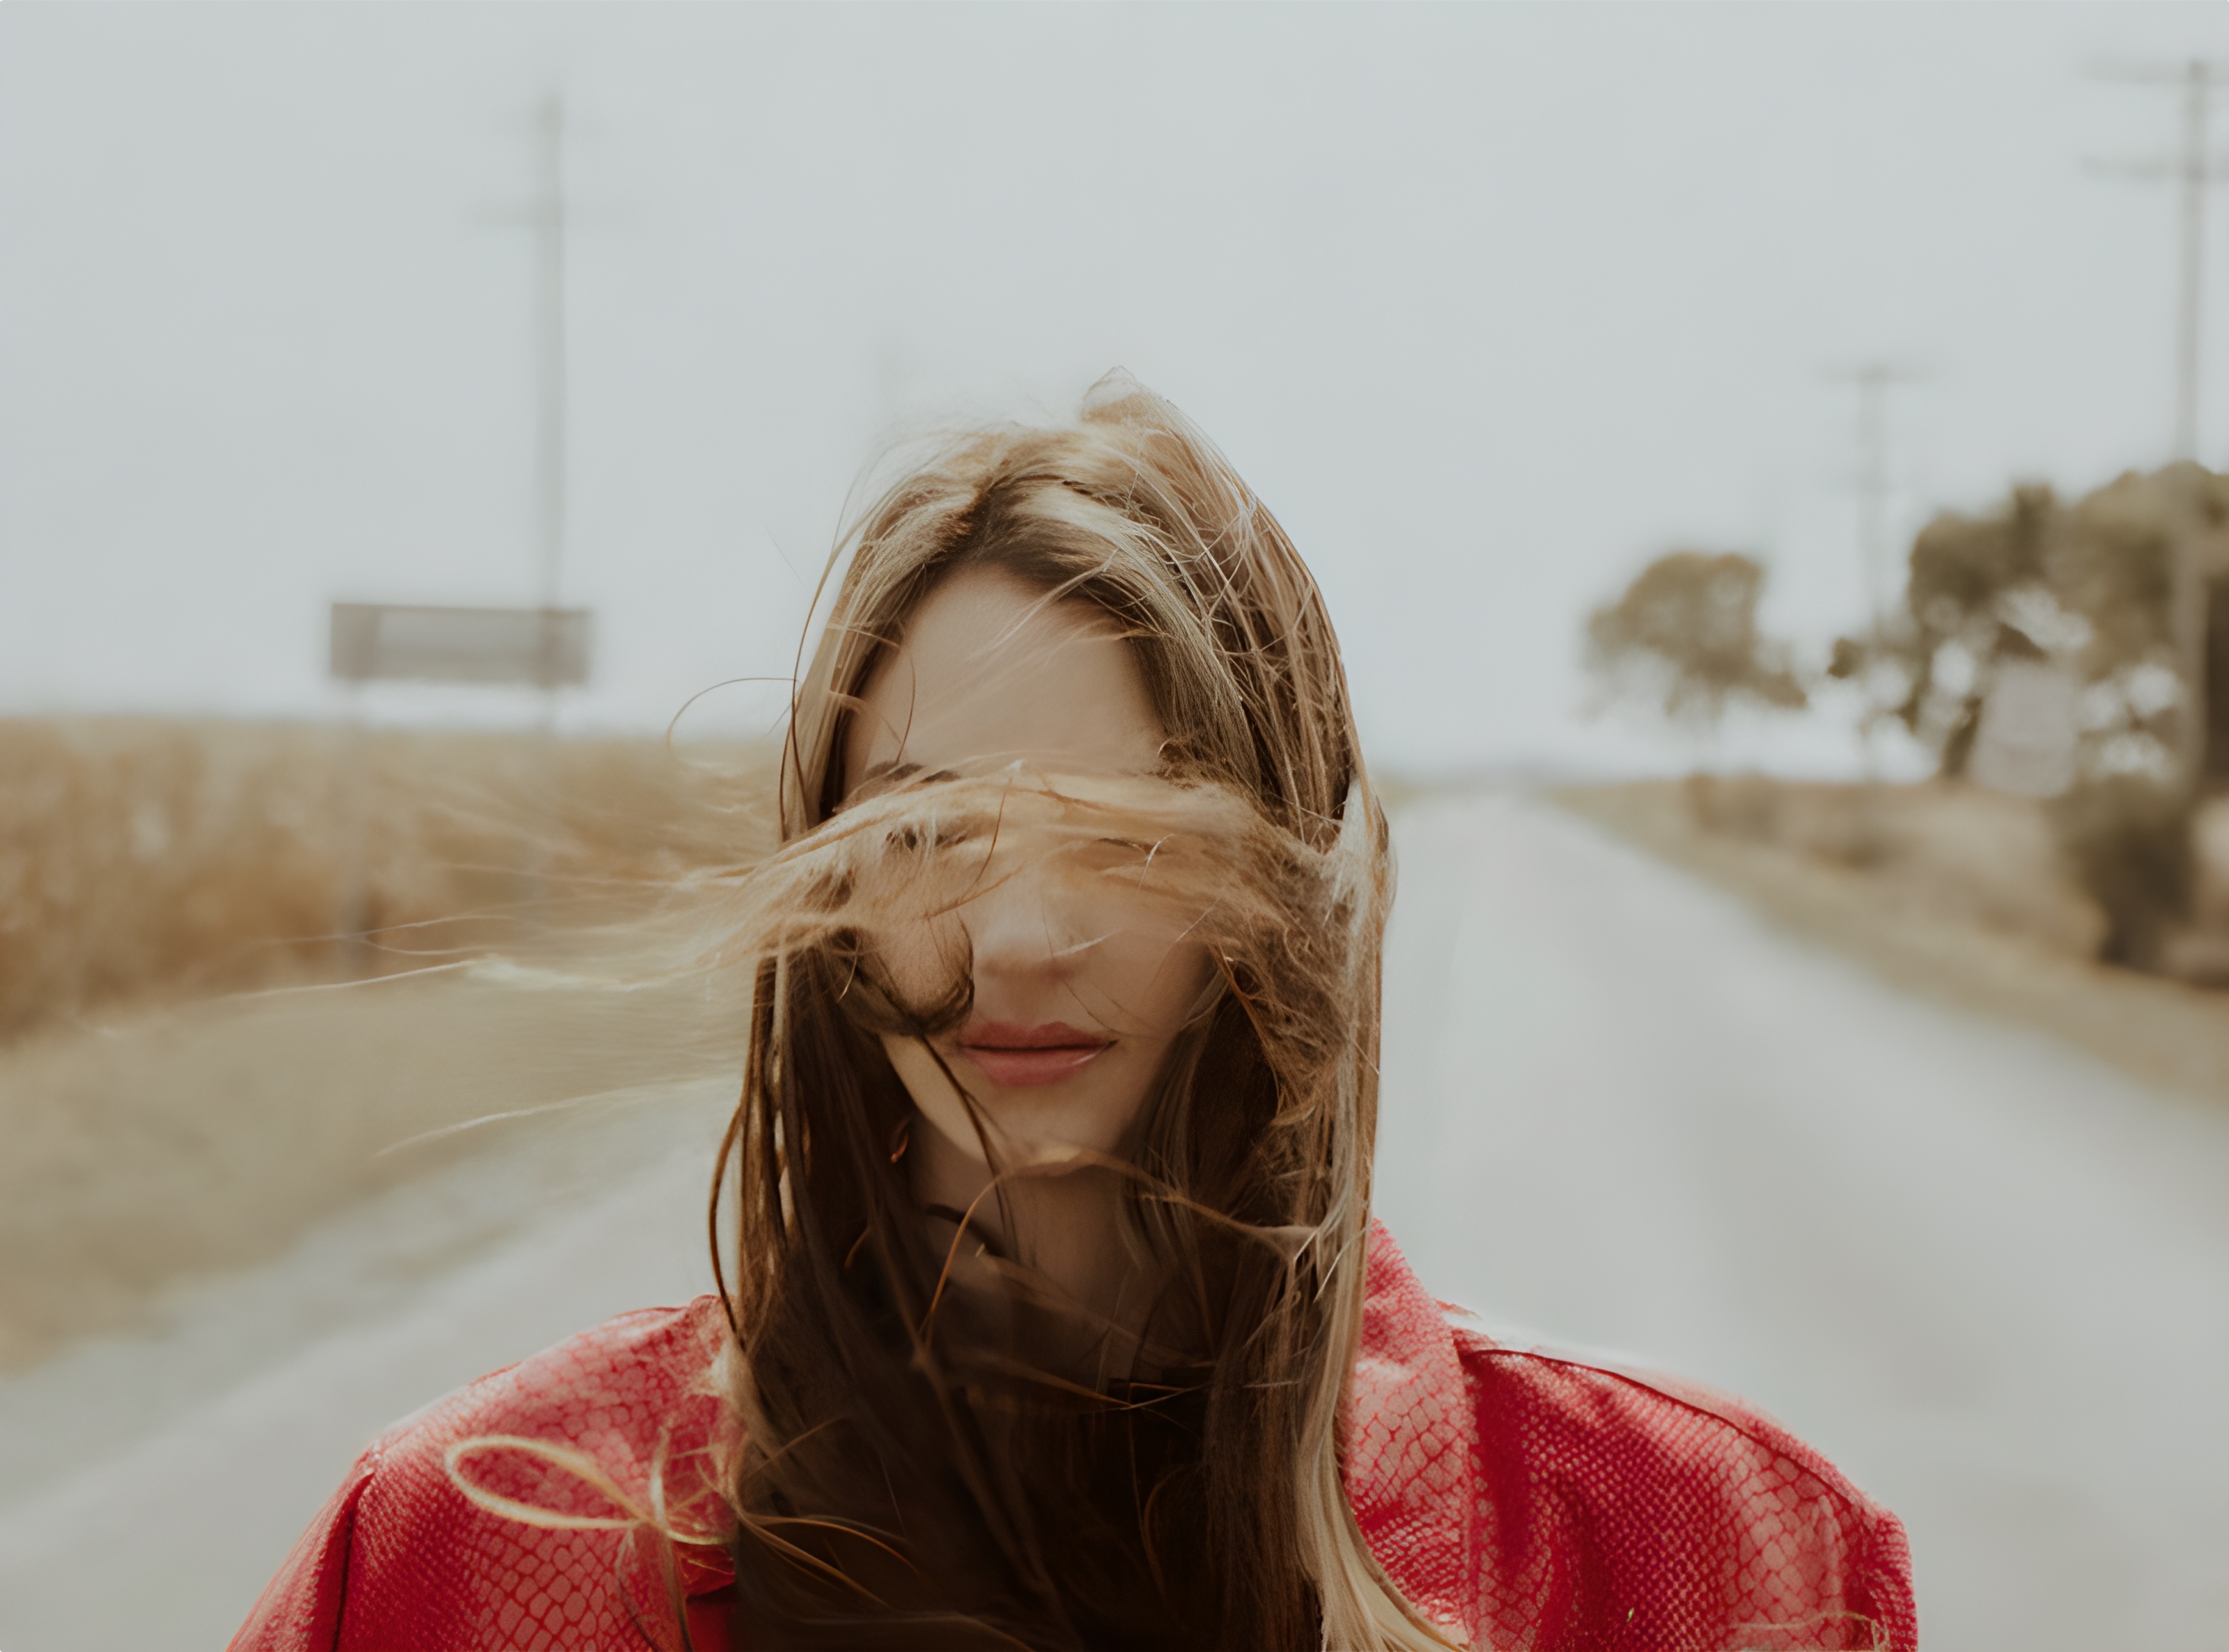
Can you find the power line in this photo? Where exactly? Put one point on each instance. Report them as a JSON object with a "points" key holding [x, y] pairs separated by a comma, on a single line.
{"points": [[2195, 170]]}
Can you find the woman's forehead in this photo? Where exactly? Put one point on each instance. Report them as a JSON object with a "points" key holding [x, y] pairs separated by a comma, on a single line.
{"points": [[991, 671]]}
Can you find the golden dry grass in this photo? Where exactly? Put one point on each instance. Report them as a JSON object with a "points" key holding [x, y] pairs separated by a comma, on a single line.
{"points": [[149, 860], [163, 1118], [1955, 851]]}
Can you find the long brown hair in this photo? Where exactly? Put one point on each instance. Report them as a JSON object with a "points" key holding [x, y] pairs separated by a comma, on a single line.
{"points": [[910, 1475]]}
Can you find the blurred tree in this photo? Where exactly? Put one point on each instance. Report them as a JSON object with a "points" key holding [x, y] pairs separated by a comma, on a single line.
{"points": [[2088, 588], [2110, 589], [1684, 637]]}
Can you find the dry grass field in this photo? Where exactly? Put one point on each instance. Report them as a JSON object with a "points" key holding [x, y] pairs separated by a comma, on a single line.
{"points": [[150, 861], [196, 1064], [1955, 891], [1958, 852], [184, 1142]]}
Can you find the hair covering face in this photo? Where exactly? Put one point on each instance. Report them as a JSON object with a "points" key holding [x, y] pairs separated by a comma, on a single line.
{"points": [[1250, 1177]]}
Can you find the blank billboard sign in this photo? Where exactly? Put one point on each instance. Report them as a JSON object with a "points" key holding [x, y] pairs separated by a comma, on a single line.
{"points": [[389, 642]]}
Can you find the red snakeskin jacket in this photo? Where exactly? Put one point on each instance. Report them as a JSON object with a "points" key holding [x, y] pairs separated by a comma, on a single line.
{"points": [[1519, 1499]]}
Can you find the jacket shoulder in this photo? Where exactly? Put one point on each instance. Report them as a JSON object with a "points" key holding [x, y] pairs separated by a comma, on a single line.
{"points": [[515, 1511], [1624, 1508]]}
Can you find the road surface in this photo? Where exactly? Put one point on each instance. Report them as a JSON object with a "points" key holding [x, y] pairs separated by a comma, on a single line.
{"points": [[1989, 1275], [1986, 1273]]}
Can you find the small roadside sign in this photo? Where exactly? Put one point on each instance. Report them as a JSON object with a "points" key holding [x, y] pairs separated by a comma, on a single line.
{"points": [[542, 648], [2030, 729]]}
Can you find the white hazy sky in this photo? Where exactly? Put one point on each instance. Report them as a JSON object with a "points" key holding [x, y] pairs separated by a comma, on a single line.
{"points": [[1490, 303]]}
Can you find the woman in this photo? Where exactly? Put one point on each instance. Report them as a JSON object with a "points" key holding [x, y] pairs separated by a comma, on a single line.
{"points": [[1054, 1315]]}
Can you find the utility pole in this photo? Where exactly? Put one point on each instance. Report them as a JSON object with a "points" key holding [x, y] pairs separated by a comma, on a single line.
{"points": [[544, 214], [548, 216], [1873, 381], [2194, 170]]}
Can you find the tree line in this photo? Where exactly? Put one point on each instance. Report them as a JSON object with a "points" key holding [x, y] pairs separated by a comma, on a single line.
{"points": [[2123, 592]]}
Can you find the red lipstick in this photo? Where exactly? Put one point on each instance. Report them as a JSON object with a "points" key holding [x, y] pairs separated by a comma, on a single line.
{"points": [[1014, 1056]]}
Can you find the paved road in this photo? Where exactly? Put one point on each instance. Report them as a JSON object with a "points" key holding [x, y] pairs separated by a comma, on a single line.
{"points": [[1989, 1275], [206, 1444]]}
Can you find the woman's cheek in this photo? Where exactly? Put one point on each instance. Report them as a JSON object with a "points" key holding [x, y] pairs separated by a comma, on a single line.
{"points": [[1156, 982], [1190, 975]]}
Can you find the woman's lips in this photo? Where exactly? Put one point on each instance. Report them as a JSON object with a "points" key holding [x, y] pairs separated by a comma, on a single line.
{"points": [[1014, 1056]]}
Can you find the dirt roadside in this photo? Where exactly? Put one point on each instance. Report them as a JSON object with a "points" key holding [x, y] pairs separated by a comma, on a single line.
{"points": [[1935, 937], [180, 1145]]}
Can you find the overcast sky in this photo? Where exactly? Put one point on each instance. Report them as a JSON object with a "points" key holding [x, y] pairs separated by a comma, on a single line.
{"points": [[1491, 304]]}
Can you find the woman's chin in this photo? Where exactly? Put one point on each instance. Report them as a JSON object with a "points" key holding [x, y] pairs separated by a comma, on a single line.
{"points": [[1041, 1130]]}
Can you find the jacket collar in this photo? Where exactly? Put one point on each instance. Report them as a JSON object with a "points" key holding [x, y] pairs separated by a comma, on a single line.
{"points": [[1410, 1450]]}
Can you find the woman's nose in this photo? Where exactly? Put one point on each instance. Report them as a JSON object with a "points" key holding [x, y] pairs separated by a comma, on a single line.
{"points": [[1017, 929]]}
